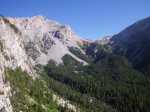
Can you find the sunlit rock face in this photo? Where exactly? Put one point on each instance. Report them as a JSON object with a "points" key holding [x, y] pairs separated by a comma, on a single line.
{"points": [[36, 40], [26, 42]]}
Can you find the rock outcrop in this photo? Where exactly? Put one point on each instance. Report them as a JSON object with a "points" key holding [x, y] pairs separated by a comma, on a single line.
{"points": [[26, 42]]}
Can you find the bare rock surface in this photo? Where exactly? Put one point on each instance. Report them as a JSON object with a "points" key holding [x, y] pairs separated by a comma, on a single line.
{"points": [[26, 42]]}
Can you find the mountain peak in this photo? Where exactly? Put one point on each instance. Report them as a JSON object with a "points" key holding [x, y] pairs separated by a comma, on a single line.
{"points": [[27, 42], [40, 36]]}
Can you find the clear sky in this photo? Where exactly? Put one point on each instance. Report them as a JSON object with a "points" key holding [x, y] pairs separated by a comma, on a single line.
{"points": [[88, 18]]}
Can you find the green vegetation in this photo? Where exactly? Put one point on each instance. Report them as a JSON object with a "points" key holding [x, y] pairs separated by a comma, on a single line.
{"points": [[110, 84], [79, 54], [84, 102], [29, 95]]}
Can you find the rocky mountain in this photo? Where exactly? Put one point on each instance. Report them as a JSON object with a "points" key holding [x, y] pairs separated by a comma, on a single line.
{"points": [[111, 56], [134, 43], [27, 42], [46, 67]]}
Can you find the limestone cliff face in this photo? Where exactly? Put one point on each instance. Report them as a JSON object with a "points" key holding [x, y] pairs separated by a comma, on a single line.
{"points": [[26, 42]]}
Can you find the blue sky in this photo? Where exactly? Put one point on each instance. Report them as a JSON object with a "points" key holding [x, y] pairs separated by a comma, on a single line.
{"points": [[88, 18]]}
